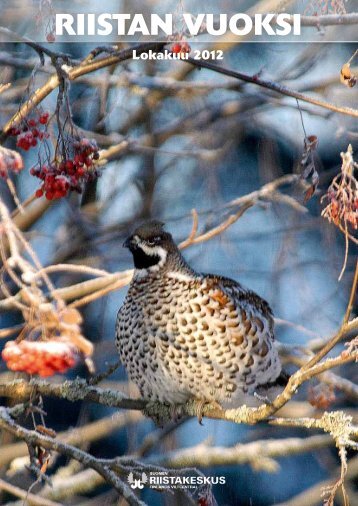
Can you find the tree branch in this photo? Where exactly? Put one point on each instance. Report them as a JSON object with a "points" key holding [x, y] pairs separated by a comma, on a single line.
{"points": [[33, 438], [271, 85]]}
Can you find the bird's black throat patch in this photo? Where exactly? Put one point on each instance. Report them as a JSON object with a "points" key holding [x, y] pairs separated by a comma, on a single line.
{"points": [[142, 260]]}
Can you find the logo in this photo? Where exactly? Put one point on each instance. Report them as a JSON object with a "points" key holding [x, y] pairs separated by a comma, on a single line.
{"points": [[165, 480], [137, 483]]}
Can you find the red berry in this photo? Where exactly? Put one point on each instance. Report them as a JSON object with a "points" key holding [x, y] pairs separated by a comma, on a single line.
{"points": [[176, 48], [39, 193], [26, 140], [69, 165], [43, 119], [77, 160], [23, 144], [13, 132]]}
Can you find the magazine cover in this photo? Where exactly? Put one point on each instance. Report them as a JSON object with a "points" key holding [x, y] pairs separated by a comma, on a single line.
{"points": [[178, 248]]}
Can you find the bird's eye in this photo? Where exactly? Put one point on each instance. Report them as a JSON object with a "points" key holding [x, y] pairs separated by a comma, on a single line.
{"points": [[154, 240]]}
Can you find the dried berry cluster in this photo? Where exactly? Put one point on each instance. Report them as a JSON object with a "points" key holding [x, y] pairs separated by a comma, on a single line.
{"points": [[44, 358], [29, 132], [341, 207], [180, 48], [342, 195], [59, 178], [9, 161], [321, 396], [347, 77]]}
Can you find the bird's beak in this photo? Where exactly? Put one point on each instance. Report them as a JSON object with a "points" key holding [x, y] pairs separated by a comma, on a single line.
{"points": [[128, 242]]}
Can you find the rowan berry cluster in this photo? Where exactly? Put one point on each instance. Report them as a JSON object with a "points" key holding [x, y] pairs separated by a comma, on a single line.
{"points": [[9, 161], [29, 132], [60, 178], [44, 358], [180, 48]]}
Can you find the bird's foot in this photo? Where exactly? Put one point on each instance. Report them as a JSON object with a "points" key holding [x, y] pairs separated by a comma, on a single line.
{"points": [[201, 406], [162, 414]]}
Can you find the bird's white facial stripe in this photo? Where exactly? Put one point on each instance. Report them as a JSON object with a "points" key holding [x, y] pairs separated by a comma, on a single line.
{"points": [[156, 251]]}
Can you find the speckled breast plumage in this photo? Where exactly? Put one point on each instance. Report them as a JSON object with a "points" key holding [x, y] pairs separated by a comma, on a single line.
{"points": [[184, 336]]}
